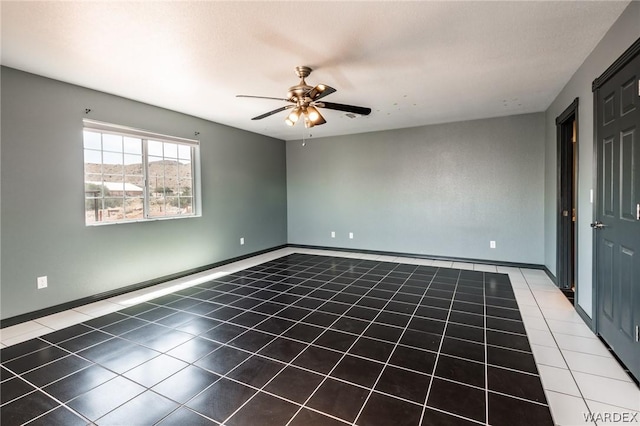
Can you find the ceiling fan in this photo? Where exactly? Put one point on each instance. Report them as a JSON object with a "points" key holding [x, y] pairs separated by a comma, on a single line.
{"points": [[305, 100]]}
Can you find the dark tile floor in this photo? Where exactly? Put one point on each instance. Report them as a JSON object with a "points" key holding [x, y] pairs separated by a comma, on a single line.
{"points": [[301, 340]]}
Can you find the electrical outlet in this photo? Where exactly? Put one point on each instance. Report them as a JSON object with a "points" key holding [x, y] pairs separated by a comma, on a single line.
{"points": [[351, 235], [333, 234], [42, 282], [242, 241], [492, 244]]}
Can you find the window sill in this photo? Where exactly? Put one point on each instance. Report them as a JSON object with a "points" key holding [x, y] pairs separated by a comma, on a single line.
{"points": [[154, 219]]}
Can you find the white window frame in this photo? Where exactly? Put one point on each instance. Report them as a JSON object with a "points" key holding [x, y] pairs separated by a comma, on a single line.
{"points": [[145, 136]]}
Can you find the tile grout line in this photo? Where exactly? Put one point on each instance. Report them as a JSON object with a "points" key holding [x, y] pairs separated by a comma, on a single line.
{"points": [[252, 353], [262, 347], [275, 337], [486, 349], [308, 345], [435, 365], [559, 350], [39, 389], [225, 376], [395, 346], [380, 310]]}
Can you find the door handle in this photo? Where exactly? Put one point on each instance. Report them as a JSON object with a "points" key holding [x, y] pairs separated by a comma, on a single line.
{"points": [[598, 225]]}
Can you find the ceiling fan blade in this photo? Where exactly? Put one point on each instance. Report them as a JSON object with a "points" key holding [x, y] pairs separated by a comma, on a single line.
{"points": [[275, 111], [320, 91], [347, 108], [263, 97]]}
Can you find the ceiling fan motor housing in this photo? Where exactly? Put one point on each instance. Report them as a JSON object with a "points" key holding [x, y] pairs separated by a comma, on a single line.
{"points": [[297, 93]]}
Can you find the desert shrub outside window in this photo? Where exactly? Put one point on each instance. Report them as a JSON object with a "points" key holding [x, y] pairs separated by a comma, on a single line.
{"points": [[134, 175]]}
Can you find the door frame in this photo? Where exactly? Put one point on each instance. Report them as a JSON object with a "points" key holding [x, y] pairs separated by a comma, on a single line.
{"points": [[616, 66], [565, 258]]}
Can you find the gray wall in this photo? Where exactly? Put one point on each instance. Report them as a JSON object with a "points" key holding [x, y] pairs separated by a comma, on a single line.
{"points": [[622, 34], [443, 190], [43, 230]]}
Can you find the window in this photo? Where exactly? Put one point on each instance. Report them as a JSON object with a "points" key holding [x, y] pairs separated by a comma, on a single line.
{"points": [[133, 175]]}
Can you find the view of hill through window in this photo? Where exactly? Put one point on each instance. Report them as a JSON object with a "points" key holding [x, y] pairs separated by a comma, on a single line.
{"points": [[115, 188]]}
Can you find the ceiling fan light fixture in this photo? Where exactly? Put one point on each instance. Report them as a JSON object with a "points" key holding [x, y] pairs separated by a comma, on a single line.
{"points": [[289, 122], [308, 123], [295, 114], [313, 114]]}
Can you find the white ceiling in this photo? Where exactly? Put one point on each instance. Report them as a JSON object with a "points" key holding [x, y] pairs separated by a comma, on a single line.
{"points": [[413, 63]]}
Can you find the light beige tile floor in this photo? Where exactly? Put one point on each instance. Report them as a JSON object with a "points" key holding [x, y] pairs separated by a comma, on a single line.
{"points": [[578, 374]]}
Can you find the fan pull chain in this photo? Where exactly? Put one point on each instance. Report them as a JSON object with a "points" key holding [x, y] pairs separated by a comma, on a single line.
{"points": [[304, 142]]}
